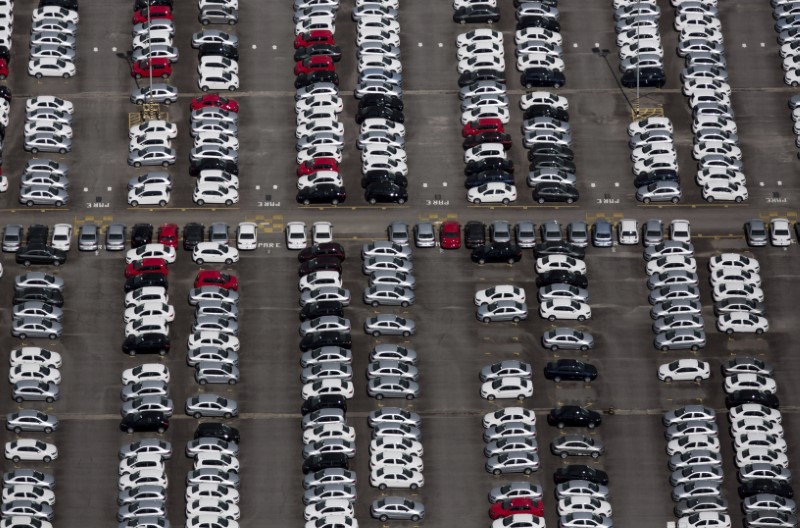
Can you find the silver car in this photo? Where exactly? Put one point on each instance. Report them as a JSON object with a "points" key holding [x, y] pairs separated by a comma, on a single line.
{"points": [[53, 37], [38, 279], [44, 178], [211, 405], [330, 445], [88, 237], [673, 322], [424, 235], [567, 338], [326, 354], [392, 387], [36, 327], [152, 156], [389, 324], [213, 476], [146, 445], [214, 36], [393, 352], [500, 231], [144, 388], [206, 444], [561, 290], [148, 403], [660, 191], [115, 237], [329, 491], [142, 493], [385, 248], [329, 476], [218, 15], [217, 308], [43, 195], [52, 50], [397, 508], [697, 489], [392, 429], [576, 445], [388, 295], [31, 420], [505, 369], [12, 237], [693, 458], [216, 372], [679, 306], [668, 247], [213, 293], [151, 177], [206, 353], [218, 324], [33, 390], [667, 278], [328, 369], [393, 278], [29, 476], [387, 263], [688, 413], [392, 368], [502, 311], [526, 234], [515, 462], [47, 142], [393, 415], [160, 93], [682, 339], [508, 445]]}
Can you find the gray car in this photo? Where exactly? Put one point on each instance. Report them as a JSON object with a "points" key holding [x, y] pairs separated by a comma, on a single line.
{"points": [[561, 290], [515, 462], [386, 263], [679, 306], [322, 417], [138, 509], [52, 50], [34, 327], [674, 322], [742, 365], [329, 476], [667, 278], [682, 339], [88, 237], [218, 15], [143, 388], [385, 248], [392, 387], [326, 370], [47, 142], [151, 177], [38, 279], [206, 444], [44, 178], [393, 278], [115, 237], [217, 355], [500, 231], [29, 476], [652, 232], [755, 231], [213, 293], [769, 501], [43, 195], [329, 491], [525, 232], [211, 405], [697, 489], [568, 339], [660, 191], [505, 369], [578, 233], [216, 308], [12, 237], [54, 24], [509, 445], [424, 235], [397, 508], [46, 114], [326, 354], [216, 372], [398, 233], [392, 429], [393, 415], [502, 311], [148, 403], [160, 93], [388, 295], [219, 232], [33, 390], [152, 156], [31, 420], [688, 413], [515, 490], [393, 352], [693, 458], [551, 231], [214, 36], [142, 493], [37, 309], [679, 430], [219, 324], [576, 445], [146, 445], [674, 292], [389, 324], [392, 368], [666, 248], [213, 476], [57, 38], [27, 508]]}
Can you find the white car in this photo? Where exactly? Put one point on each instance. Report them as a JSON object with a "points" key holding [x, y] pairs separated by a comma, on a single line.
{"points": [[557, 309], [760, 425], [717, 190], [329, 430], [35, 355], [483, 61], [30, 449], [378, 35], [30, 492], [296, 235], [743, 322], [247, 236], [780, 233], [321, 22], [509, 414], [735, 274], [493, 192], [62, 236], [706, 148], [338, 386], [497, 112], [322, 232], [754, 410], [319, 101], [216, 62], [34, 371], [726, 290], [536, 33], [478, 35], [684, 370], [214, 252], [756, 455], [319, 177], [45, 125], [751, 440], [483, 151], [54, 11], [211, 177], [394, 457], [49, 101], [662, 162], [650, 123], [51, 67], [319, 151], [693, 442], [213, 338], [658, 148], [146, 294], [576, 504], [149, 194], [320, 279], [396, 477], [383, 62], [511, 387], [388, 163], [145, 325], [333, 126], [161, 251], [720, 173], [539, 60], [641, 46], [201, 509], [749, 381], [145, 372], [735, 260], [214, 193], [560, 262], [327, 508], [671, 263], [379, 124], [164, 311], [692, 86], [216, 138], [501, 292], [485, 46], [211, 490]]}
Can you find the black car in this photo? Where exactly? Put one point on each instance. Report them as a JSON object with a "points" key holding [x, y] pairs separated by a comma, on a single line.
{"points": [[573, 416], [741, 397], [474, 167], [549, 161], [534, 111], [569, 369], [38, 234], [580, 472], [307, 79], [45, 295], [320, 264], [561, 277], [149, 343], [321, 339], [141, 235], [542, 77], [141, 4], [383, 176], [488, 137], [497, 252], [224, 50], [538, 21], [217, 430], [192, 235], [758, 486], [197, 166], [66, 4], [558, 247], [145, 421], [324, 401], [474, 234], [487, 176], [325, 461], [145, 279], [385, 192], [324, 193], [328, 50], [5, 54], [561, 152], [646, 178], [467, 78], [5, 93], [373, 99], [321, 250], [648, 78], [383, 112], [318, 309], [555, 192], [476, 14], [40, 254]]}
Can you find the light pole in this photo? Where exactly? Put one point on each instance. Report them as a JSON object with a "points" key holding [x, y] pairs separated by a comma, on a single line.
{"points": [[604, 54]]}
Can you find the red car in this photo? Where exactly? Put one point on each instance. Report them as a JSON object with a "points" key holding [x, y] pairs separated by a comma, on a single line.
{"points": [[168, 235], [313, 165], [216, 278], [450, 235], [147, 265], [515, 506], [140, 16], [314, 63], [3, 69], [316, 36], [215, 100], [485, 124], [161, 68]]}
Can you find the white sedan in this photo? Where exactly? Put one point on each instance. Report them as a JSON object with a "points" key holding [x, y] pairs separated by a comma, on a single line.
{"points": [[322, 232], [214, 252], [509, 414], [51, 67], [146, 372], [650, 123], [754, 410], [34, 371], [720, 190], [748, 381], [335, 386], [35, 355], [206, 490], [735, 260], [481, 61], [296, 235], [316, 178], [62, 236], [329, 430], [501, 292], [728, 289], [155, 127], [483, 151], [147, 325], [149, 194], [594, 505], [161, 251], [556, 309], [495, 112], [316, 102], [561, 263], [214, 193], [57, 12], [30, 449], [755, 455], [218, 177], [216, 138], [49, 101], [510, 387], [218, 79], [684, 370], [710, 174], [396, 477], [150, 309], [693, 442], [671, 263], [743, 322], [478, 35], [493, 192], [247, 236]]}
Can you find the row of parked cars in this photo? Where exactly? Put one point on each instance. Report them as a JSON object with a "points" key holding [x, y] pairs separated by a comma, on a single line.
{"points": [[216, 72], [48, 128], [654, 158], [787, 25], [214, 124], [53, 38], [641, 56]]}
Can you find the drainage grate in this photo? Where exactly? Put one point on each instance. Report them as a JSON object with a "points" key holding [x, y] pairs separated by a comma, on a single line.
{"points": [[267, 197], [776, 194], [98, 199], [437, 196]]}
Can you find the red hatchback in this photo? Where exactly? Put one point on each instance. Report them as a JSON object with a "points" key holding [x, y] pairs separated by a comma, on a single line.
{"points": [[316, 36], [450, 235], [140, 16], [3, 69], [317, 164], [168, 235], [486, 124], [216, 278], [215, 100], [516, 506], [147, 265], [314, 63], [161, 68]]}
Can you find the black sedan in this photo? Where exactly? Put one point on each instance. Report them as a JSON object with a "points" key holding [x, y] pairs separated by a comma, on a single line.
{"points": [[198, 166], [544, 110], [321, 339], [542, 77], [488, 137], [487, 176], [40, 254], [759, 486], [150, 343], [560, 152], [145, 279], [383, 176], [319, 76], [563, 277], [467, 78], [325, 249], [146, 421], [320, 264], [580, 472], [547, 161], [569, 369], [373, 99], [382, 112], [558, 247], [573, 416], [539, 22], [741, 397], [385, 193], [646, 178], [45, 295], [318, 309], [474, 167], [499, 252], [555, 192], [476, 14], [328, 50], [324, 193]]}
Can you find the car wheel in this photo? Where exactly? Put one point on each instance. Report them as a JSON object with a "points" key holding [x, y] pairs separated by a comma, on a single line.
{"points": [[165, 164], [694, 348], [404, 304], [795, 84], [47, 460], [140, 101], [554, 347], [587, 379], [231, 88], [167, 102], [564, 455], [59, 203], [476, 201], [401, 201], [540, 200], [581, 318], [197, 415], [556, 85], [595, 454], [137, 164], [515, 320], [227, 416], [668, 379], [729, 331], [130, 430], [27, 263], [23, 336], [710, 199], [481, 261], [18, 430], [232, 382], [201, 202], [557, 379], [591, 425], [204, 88], [205, 22], [47, 430], [162, 203], [381, 487], [487, 320], [20, 399], [413, 487], [62, 151], [383, 518], [379, 396], [376, 334], [306, 202], [199, 261], [551, 318], [38, 75], [228, 262], [161, 430], [134, 203], [759, 331], [66, 76], [491, 397], [462, 22], [373, 201], [646, 200], [52, 336], [229, 202], [203, 382], [528, 471], [674, 199], [506, 201], [409, 396], [34, 150], [415, 518], [560, 425], [738, 199], [406, 334]]}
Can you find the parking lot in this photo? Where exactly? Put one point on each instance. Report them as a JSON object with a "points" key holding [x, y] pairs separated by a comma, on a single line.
{"points": [[452, 345]]}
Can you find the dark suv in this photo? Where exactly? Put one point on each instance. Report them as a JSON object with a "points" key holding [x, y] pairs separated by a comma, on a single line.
{"points": [[217, 430], [474, 234], [192, 235], [225, 50], [325, 401], [141, 234], [569, 369], [146, 344], [573, 416], [580, 472], [145, 279], [199, 165], [326, 249], [648, 78], [328, 460], [561, 276], [329, 338], [44, 295], [539, 77], [146, 421], [499, 252], [318, 309], [38, 234]]}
